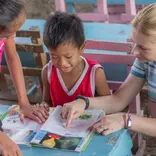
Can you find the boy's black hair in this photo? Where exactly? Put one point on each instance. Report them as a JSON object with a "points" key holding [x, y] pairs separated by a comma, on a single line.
{"points": [[61, 28], [9, 10]]}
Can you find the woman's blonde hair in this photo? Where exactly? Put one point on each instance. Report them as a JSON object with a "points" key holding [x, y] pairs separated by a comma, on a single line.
{"points": [[145, 20]]}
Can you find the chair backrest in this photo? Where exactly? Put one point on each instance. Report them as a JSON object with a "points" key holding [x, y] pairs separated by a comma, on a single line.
{"points": [[100, 16], [116, 11], [112, 2], [113, 53], [36, 48]]}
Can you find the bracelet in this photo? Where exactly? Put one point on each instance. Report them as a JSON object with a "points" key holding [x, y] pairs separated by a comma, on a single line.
{"points": [[124, 119], [129, 121]]}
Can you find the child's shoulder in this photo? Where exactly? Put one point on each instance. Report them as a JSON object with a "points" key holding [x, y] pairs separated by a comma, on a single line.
{"points": [[92, 62], [47, 67]]}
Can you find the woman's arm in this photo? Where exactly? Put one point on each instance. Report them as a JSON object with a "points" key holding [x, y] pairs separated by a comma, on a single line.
{"points": [[15, 69], [114, 122], [110, 104], [16, 73], [121, 98], [144, 125]]}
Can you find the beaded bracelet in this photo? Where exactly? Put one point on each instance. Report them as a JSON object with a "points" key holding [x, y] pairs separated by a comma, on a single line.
{"points": [[124, 119]]}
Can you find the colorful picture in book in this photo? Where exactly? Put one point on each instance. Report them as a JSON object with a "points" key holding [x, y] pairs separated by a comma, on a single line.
{"points": [[20, 136], [13, 111], [13, 115], [85, 116], [60, 142], [29, 136]]}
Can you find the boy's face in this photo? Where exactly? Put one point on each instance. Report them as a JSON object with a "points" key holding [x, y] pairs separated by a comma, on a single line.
{"points": [[145, 47], [66, 57]]}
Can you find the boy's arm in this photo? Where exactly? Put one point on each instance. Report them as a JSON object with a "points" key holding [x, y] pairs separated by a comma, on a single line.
{"points": [[101, 86], [16, 73], [121, 98], [46, 86]]}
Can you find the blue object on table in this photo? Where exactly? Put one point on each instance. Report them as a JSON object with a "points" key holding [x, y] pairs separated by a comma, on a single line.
{"points": [[116, 144]]}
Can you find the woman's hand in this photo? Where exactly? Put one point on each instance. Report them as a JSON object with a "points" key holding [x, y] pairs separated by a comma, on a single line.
{"points": [[109, 124], [72, 110]]}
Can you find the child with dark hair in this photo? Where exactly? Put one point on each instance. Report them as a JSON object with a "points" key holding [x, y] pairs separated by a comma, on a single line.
{"points": [[68, 74], [12, 17]]}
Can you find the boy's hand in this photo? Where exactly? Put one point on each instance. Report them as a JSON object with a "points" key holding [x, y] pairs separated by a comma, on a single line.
{"points": [[8, 147], [43, 105], [39, 115], [72, 110]]}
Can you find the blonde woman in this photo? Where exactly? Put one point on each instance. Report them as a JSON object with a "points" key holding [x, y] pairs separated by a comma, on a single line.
{"points": [[144, 69]]}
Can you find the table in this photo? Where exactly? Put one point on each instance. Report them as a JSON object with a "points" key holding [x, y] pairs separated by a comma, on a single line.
{"points": [[116, 144]]}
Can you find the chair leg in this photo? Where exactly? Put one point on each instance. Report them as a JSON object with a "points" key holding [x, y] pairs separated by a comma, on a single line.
{"points": [[141, 150], [139, 144]]}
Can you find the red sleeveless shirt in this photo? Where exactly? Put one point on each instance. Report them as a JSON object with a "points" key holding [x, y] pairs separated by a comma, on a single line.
{"points": [[84, 86]]}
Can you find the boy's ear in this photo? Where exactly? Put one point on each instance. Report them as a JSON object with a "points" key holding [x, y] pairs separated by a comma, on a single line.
{"points": [[82, 47]]}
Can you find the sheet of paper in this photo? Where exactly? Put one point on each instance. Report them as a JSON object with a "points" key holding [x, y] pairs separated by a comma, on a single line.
{"points": [[78, 128]]}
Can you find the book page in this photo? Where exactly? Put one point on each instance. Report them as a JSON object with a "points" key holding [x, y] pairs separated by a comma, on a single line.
{"points": [[22, 137], [78, 127]]}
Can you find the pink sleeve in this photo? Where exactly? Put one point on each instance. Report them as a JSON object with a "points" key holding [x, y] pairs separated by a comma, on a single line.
{"points": [[2, 43]]}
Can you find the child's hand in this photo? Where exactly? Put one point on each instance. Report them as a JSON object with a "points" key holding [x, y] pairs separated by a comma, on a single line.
{"points": [[35, 113], [43, 105], [8, 147]]}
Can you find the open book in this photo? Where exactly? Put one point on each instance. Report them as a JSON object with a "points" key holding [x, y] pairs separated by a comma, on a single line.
{"points": [[53, 133]]}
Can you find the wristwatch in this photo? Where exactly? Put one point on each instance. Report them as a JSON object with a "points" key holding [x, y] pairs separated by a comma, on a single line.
{"points": [[85, 99]]}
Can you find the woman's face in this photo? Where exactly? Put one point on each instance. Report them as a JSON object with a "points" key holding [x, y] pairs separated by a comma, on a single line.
{"points": [[144, 46], [13, 27]]}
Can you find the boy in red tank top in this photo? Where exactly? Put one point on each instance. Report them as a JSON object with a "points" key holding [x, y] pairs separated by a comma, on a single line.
{"points": [[68, 74]]}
